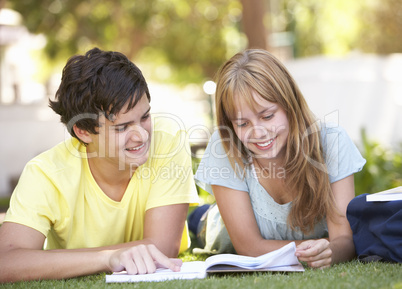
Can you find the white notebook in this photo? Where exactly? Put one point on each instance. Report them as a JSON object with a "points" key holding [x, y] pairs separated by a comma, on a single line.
{"points": [[282, 260], [394, 194]]}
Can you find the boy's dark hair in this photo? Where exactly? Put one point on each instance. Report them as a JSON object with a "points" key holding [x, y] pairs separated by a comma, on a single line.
{"points": [[99, 82]]}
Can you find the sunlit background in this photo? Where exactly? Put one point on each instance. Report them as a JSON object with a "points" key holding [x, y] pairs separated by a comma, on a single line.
{"points": [[345, 56]]}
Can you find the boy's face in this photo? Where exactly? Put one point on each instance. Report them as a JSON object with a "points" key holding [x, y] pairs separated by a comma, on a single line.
{"points": [[125, 139]]}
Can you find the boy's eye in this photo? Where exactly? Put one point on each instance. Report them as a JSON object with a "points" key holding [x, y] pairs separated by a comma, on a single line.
{"points": [[121, 128], [145, 117]]}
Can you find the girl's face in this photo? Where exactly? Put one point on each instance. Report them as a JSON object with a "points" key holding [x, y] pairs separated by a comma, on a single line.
{"points": [[262, 128]]}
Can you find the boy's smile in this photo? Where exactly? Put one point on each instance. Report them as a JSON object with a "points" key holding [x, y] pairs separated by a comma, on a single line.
{"points": [[125, 140]]}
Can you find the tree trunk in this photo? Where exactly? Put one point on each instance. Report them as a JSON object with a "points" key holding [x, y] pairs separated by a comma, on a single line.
{"points": [[253, 23]]}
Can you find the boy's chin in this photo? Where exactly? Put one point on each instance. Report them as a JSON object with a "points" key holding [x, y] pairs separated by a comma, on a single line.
{"points": [[134, 163]]}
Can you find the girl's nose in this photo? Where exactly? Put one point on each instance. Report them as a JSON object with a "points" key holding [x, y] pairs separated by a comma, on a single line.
{"points": [[258, 132]]}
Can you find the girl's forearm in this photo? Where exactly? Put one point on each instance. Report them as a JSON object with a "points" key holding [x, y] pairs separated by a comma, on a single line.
{"points": [[260, 247], [343, 249]]}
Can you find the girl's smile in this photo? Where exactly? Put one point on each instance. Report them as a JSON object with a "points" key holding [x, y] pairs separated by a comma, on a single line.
{"points": [[265, 145], [262, 127]]}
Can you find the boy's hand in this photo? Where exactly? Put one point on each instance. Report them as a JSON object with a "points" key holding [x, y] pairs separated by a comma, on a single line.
{"points": [[141, 259]]}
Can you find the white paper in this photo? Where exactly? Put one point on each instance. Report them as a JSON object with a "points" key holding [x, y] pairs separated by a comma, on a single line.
{"points": [[394, 194], [283, 259], [189, 270]]}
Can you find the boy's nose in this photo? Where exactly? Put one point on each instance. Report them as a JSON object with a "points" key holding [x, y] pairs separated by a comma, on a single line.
{"points": [[139, 134]]}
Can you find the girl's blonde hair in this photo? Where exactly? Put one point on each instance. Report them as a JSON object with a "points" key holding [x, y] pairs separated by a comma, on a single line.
{"points": [[258, 71]]}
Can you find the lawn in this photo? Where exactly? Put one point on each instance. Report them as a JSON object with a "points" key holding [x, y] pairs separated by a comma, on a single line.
{"points": [[352, 275], [4, 202]]}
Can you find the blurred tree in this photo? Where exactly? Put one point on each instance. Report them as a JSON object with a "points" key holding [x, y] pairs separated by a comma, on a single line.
{"points": [[335, 27], [254, 27], [321, 27], [381, 27], [186, 39]]}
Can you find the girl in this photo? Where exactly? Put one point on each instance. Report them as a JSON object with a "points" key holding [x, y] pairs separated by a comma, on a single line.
{"points": [[278, 175]]}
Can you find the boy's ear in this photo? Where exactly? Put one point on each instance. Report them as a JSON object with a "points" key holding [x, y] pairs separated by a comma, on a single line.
{"points": [[82, 134]]}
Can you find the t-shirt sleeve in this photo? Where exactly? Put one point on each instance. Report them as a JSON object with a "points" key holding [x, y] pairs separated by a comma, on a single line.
{"points": [[341, 155], [172, 178], [33, 202], [215, 168]]}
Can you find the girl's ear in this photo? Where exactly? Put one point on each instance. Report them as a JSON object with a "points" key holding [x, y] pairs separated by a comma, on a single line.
{"points": [[82, 134]]}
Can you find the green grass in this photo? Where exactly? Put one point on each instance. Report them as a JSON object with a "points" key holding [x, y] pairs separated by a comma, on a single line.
{"points": [[4, 202], [351, 275]]}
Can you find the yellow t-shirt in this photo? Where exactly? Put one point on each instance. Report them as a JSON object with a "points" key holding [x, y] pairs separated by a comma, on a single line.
{"points": [[58, 196]]}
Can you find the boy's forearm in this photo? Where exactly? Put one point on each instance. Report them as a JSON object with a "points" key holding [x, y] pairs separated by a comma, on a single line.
{"points": [[147, 241], [105, 248], [29, 264]]}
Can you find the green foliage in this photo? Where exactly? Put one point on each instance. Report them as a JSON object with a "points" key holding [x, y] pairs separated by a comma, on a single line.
{"points": [[184, 40], [322, 27], [382, 171], [4, 203], [205, 197], [382, 27], [336, 27]]}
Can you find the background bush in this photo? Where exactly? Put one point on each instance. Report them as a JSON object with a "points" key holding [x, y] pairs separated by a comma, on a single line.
{"points": [[383, 169]]}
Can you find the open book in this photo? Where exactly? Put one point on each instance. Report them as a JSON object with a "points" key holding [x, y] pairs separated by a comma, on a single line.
{"points": [[283, 259], [394, 194]]}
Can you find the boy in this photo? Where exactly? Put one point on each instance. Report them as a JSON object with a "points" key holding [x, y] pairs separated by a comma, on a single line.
{"points": [[108, 199]]}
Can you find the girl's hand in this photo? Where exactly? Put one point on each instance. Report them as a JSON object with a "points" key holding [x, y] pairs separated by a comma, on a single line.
{"points": [[141, 259], [316, 253]]}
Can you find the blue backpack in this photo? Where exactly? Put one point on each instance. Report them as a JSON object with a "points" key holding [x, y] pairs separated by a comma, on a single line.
{"points": [[377, 229]]}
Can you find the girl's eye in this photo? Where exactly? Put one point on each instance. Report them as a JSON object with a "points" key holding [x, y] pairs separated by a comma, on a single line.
{"points": [[268, 116], [241, 124]]}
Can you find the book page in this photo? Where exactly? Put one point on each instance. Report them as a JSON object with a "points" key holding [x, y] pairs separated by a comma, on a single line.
{"points": [[283, 259], [189, 270], [245, 262], [394, 194], [233, 269], [284, 256]]}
